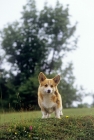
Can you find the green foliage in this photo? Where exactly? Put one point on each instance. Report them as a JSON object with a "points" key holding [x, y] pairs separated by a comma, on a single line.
{"points": [[39, 43], [28, 93], [3, 89]]}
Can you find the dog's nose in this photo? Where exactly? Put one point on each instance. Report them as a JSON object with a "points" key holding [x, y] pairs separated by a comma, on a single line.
{"points": [[49, 90]]}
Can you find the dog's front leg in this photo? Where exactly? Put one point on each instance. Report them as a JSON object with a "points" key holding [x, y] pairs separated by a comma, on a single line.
{"points": [[44, 114], [57, 113]]}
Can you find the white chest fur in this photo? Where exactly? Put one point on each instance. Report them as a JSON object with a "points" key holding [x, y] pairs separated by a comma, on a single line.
{"points": [[48, 103]]}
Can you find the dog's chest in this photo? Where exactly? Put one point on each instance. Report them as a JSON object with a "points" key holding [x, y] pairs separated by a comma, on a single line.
{"points": [[48, 103]]}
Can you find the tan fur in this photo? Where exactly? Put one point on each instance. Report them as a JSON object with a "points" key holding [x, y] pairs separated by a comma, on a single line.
{"points": [[49, 98]]}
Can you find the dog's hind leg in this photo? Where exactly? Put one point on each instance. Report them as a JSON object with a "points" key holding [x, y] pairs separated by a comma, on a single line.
{"points": [[48, 115], [44, 114]]}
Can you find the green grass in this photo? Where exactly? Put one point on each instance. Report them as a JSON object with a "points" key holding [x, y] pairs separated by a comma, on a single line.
{"points": [[18, 116], [76, 124]]}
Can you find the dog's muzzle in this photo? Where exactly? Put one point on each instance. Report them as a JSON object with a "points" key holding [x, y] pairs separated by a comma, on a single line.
{"points": [[48, 91]]}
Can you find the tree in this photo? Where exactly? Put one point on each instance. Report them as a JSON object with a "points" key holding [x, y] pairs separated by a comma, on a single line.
{"points": [[39, 43]]}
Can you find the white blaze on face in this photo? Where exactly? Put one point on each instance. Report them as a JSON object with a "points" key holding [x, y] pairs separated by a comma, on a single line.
{"points": [[48, 88]]}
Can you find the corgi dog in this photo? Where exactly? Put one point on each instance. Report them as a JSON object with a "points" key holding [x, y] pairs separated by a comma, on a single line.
{"points": [[49, 99]]}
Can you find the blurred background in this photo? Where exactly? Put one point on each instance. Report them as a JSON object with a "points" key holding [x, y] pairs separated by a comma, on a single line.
{"points": [[55, 37]]}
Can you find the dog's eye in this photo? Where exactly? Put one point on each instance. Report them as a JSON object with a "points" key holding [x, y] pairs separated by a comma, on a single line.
{"points": [[46, 85], [51, 85]]}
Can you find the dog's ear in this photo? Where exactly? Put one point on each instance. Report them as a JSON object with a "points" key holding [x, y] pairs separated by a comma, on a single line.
{"points": [[41, 77], [56, 79]]}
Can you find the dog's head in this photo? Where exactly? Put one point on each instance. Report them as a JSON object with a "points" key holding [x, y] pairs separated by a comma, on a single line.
{"points": [[48, 85]]}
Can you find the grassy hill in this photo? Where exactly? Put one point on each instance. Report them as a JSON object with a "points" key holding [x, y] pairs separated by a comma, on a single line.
{"points": [[76, 124]]}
